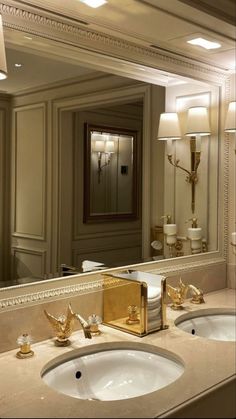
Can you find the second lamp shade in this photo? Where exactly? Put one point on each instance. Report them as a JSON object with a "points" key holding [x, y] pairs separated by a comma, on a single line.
{"points": [[197, 122], [169, 126]]}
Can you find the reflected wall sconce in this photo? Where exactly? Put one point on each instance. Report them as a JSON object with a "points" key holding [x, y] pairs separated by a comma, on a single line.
{"points": [[3, 63], [230, 123], [197, 126], [104, 147]]}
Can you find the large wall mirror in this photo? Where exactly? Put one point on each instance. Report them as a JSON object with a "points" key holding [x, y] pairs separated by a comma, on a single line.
{"points": [[109, 206]]}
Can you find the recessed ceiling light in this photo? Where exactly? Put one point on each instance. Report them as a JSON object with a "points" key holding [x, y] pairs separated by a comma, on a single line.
{"points": [[94, 3], [18, 65], [204, 43]]}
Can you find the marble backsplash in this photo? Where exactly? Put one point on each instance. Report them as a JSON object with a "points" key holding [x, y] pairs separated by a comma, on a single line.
{"points": [[32, 320]]}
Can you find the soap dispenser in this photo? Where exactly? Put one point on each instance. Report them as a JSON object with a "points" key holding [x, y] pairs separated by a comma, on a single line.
{"points": [[195, 236], [170, 230]]}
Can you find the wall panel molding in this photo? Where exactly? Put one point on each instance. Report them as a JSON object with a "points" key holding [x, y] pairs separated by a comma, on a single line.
{"points": [[33, 212], [18, 255]]}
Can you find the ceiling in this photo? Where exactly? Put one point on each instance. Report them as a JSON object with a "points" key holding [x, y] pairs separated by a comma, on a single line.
{"points": [[165, 24], [36, 70], [222, 9], [162, 24]]}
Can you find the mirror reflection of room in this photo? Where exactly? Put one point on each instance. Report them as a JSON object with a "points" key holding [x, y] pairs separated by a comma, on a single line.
{"points": [[112, 172]]}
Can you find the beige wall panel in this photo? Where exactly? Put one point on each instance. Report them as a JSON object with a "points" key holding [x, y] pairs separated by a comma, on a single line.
{"points": [[28, 263], [115, 256], [112, 250], [30, 172]]}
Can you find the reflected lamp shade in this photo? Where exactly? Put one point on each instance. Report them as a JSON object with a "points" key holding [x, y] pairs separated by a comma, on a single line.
{"points": [[99, 146], [230, 123], [169, 128], [110, 146], [197, 122], [3, 64]]}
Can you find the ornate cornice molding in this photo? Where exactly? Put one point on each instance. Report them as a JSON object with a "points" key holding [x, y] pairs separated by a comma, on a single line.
{"points": [[78, 289], [189, 267], [226, 178], [28, 19]]}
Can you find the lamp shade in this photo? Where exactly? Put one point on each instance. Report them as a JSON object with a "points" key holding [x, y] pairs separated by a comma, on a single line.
{"points": [[110, 146], [230, 123], [169, 126], [3, 64], [197, 121], [99, 146]]}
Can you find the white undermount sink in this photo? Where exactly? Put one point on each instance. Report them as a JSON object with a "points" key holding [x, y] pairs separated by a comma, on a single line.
{"points": [[122, 371], [210, 325]]}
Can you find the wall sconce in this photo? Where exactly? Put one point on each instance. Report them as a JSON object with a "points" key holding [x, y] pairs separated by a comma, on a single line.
{"points": [[230, 123], [104, 147], [197, 126], [3, 64]]}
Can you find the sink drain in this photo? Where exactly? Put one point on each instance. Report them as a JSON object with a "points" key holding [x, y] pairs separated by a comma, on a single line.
{"points": [[78, 375]]}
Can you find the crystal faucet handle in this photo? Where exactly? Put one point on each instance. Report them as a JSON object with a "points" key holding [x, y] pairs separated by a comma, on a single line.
{"points": [[24, 341], [94, 320]]}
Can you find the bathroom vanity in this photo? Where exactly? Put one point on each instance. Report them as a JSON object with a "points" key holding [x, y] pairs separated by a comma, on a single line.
{"points": [[206, 388]]}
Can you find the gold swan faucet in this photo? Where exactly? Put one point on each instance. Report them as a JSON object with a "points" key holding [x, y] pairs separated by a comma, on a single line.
{"points": [[63, 326], [179, 294]]}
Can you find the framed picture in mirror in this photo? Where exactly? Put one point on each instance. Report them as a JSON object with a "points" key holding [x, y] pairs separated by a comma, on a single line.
{"points": [[110, 174]]}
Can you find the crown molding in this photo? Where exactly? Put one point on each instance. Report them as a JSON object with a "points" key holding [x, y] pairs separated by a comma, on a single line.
{"points": [[56, 28]]}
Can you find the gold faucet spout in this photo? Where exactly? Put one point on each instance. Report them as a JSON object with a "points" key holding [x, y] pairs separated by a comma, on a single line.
{"points": [[63, 326], [85, 326], [197, 294], [179, 294]]}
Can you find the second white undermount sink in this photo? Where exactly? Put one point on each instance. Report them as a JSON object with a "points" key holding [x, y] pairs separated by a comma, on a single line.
{"points": [[216, 326], [121, 372]]}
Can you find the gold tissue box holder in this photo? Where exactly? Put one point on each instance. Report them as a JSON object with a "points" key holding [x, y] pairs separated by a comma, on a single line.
{"points": [[126, 305]]}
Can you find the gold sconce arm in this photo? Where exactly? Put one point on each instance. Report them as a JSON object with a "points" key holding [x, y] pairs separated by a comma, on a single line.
{"points": [[100, 165], [175, 163], [192, 176]]}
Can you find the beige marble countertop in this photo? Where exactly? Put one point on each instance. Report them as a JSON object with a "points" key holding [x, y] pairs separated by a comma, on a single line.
{"points": [[208, 363]]}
